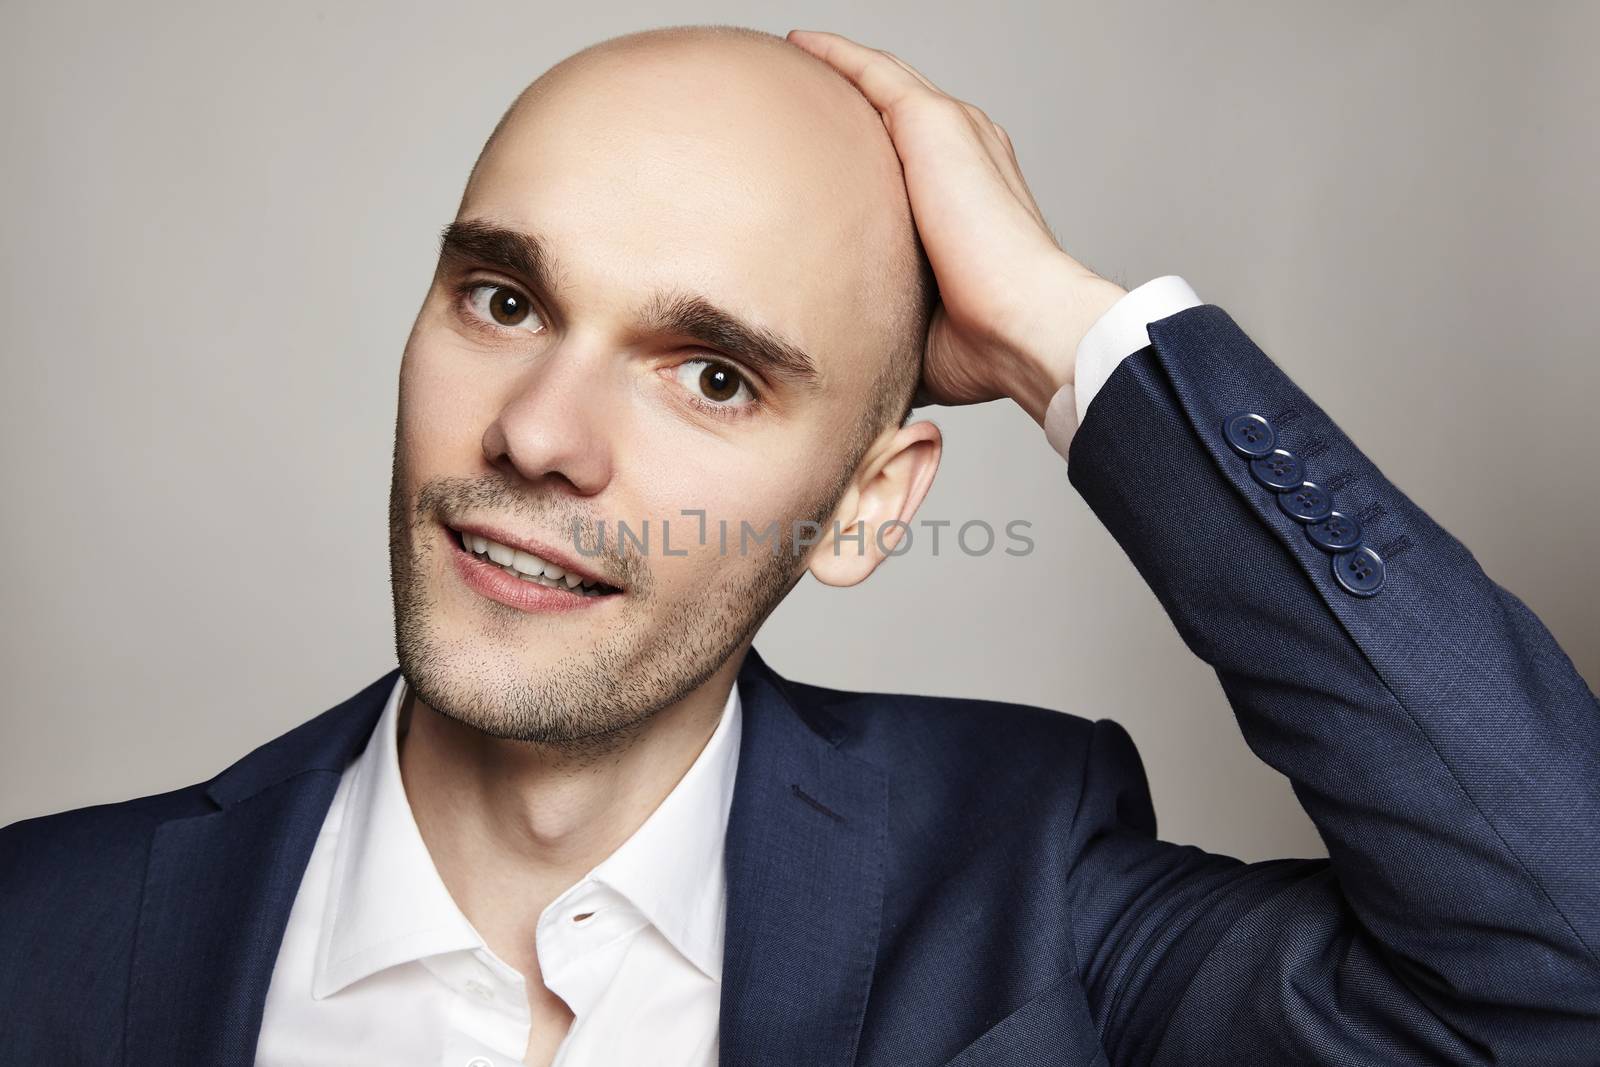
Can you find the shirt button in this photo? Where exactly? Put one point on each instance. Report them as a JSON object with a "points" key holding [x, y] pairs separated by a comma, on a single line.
{"points": [[482, 992]]}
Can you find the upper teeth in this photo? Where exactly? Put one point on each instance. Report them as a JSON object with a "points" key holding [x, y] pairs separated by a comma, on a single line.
{"points": [[527, 565]]}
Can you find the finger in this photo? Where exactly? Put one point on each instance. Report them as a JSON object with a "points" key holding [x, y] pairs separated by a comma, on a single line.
{"points": [[1022, 179], [1003, 157], [884, 81], [915, 73]]}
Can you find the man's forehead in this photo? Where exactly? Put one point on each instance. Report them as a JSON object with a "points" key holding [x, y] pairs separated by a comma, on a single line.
{"points": [[764, 158]]}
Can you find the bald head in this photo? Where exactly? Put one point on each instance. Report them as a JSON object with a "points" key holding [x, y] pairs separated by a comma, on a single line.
{"points": [[768, 160]]}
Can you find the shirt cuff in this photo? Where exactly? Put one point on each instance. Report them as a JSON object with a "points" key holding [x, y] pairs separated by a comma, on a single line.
{"points": [[1115, 336]]}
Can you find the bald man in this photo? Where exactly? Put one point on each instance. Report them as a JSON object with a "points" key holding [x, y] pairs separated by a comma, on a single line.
{"points": [[664, 368]]}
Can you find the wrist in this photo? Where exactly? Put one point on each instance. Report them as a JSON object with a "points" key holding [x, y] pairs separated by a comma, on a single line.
{"points": [[1070, 301]]}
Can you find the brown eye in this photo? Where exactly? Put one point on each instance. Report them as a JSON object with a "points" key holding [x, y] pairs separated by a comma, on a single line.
{"points": [[715, 383], [507, 306], [502, 305], [719, 382]]}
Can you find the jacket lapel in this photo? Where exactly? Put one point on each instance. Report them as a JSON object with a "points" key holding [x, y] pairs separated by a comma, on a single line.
{"points": [[220, 885], [804, 856]]}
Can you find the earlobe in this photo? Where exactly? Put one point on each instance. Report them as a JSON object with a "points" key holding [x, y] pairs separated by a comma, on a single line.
{"points": [[876, 512]]}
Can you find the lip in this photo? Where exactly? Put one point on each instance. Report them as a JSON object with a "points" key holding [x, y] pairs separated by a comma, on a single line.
{"points": [[493, 582], [560, 559]]}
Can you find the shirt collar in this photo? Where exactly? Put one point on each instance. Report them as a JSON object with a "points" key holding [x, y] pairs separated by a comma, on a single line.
{"points": [[387, 905], [671, 869]]}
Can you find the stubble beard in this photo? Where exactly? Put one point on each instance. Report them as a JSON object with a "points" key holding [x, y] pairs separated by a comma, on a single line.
{"points": [[595, 702]]}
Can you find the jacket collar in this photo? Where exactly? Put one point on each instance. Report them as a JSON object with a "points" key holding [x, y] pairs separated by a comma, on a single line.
{"points": [[804, 856]]}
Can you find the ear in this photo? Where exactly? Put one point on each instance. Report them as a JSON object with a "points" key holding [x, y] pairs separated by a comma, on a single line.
{"points": [[875, 513]]}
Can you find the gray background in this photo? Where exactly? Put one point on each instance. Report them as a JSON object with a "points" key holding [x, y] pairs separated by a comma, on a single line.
{"points": [[219, 223]]}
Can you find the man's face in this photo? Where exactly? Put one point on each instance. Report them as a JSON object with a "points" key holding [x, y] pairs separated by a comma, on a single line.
{"points": [[596, 392]]}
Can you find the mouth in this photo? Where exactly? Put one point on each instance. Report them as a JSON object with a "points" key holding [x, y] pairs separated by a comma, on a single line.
{"points": [[522, 573]]}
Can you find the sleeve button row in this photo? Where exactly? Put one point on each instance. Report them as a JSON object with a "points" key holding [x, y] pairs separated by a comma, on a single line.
{"points": [[1357, 568]]}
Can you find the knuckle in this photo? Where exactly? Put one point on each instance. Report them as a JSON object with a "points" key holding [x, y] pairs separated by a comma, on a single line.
{"points": [[933, 107]]}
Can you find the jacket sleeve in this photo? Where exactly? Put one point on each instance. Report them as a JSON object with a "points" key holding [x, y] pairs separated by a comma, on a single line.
{"points": [[1443, 744]]}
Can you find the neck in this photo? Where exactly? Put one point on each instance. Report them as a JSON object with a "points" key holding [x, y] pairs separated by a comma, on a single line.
{"points": [[511, 825]]}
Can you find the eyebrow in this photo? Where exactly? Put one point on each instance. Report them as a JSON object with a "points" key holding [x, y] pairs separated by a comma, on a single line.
{"points": [[687, 314]]}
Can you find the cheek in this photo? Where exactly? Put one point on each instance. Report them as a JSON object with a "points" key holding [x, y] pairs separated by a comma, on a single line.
{"points": [[747, 475], [441, 421], [742, 493], [768, 466]]}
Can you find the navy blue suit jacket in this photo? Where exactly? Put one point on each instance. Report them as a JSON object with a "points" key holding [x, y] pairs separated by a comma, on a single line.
{"points": [[915, 882]]}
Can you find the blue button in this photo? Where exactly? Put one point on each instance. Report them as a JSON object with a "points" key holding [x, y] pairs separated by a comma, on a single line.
{"points": [[1249, 434], [1308, 502], [1279, 470], [1336, 533], [1360, 572]]}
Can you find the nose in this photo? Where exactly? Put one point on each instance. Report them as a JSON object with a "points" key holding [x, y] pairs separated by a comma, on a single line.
{"points": [[556, 424]]}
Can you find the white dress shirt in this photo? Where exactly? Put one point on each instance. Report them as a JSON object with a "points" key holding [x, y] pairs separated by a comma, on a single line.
{"points": [[379, 966]]}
